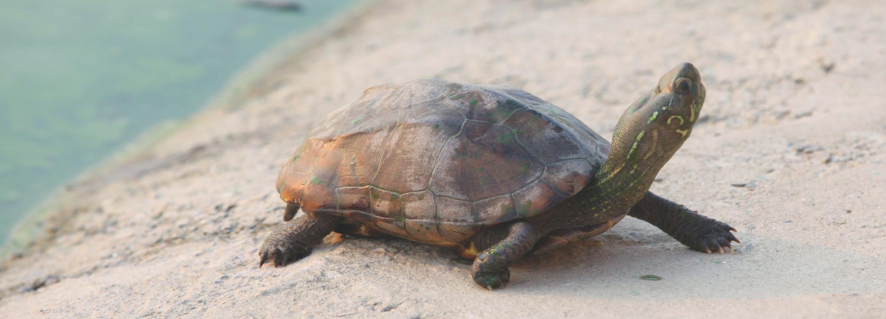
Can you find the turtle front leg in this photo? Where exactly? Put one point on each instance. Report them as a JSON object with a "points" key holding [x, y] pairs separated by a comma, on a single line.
{"points": [[490, 269], [686, 226], [295, 238]]}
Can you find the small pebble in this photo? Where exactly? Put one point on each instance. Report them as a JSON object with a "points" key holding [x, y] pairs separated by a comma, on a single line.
{"points": [[650, 277]]}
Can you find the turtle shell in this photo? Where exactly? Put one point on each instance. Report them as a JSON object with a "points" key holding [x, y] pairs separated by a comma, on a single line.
{"points": [[434, 161]]}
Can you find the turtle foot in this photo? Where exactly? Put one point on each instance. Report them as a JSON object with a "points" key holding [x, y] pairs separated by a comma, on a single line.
{"points": [[492, 280], [293, 240], [717, 237], [281, 254]]}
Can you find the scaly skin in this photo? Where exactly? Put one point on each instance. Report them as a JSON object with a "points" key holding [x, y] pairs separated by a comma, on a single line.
{"points": [[295, 238], [688, 227], [648, 134], [490, 269]]}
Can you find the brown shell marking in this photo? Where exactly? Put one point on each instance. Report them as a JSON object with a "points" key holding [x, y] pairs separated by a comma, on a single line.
{"points": [[484, 161], [432, 161]]}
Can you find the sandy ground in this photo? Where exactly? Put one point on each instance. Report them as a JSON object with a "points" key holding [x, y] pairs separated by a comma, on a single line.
{"points": [[790, 151]]}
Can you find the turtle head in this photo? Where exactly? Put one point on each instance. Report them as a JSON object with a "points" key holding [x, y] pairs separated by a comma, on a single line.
{"points": [[656, 125], [671, 108], [676, 101]]}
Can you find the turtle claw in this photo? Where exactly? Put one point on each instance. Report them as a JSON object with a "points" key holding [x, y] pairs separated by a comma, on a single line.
{"points": [[264, 258], [717, 237], [731, 237], [489, 278], [492, 280], [278, 258], [281, 255]]}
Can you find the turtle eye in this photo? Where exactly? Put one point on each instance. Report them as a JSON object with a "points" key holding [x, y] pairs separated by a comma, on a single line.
{"points": [[683, 85]]}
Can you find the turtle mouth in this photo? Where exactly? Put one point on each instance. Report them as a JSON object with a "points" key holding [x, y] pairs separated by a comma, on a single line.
{"points": [[693, 111], [697, 103]]}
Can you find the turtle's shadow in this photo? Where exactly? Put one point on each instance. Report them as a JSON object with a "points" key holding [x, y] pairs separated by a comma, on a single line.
{"points": [[597, 251]]}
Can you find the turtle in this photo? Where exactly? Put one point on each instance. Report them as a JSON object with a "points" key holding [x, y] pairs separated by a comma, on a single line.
{"points": [[493, 172]]}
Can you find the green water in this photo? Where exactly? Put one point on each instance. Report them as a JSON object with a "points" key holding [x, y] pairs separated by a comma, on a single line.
{"points": [[80, 78]]}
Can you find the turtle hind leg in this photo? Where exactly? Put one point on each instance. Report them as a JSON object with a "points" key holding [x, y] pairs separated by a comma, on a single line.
{"points": [[686, 226], [490, 269], [295, 238]]}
